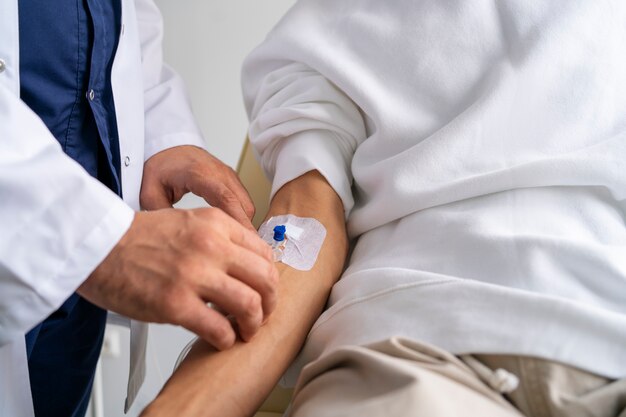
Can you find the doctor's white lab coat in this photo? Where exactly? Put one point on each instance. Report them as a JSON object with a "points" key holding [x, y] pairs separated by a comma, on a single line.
{"points": [[56, 222]]}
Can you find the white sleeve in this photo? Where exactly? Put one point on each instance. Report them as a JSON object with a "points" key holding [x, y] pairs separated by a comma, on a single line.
{"points": [[57, 223], [169, 120], [300, 121]]}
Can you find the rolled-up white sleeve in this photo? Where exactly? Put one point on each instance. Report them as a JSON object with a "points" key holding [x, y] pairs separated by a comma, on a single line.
{"points": [[300, 122], [57, 223]]}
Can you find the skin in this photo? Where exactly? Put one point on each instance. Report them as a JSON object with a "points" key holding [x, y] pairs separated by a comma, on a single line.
{"points": [[235, 382], [171, 263], [170, 174]]}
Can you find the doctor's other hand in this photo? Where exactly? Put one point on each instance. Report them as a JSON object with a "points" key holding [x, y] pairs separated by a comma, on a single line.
{"points": [[171, 262], [170, 174]]}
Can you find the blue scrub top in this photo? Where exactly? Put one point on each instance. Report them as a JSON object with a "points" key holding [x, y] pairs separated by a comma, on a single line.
{"points": [[66, 53]]}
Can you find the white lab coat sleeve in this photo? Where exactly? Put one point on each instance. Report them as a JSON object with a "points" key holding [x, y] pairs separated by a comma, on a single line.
{"points": [[300, 122], [57, 223], [169, 120]]}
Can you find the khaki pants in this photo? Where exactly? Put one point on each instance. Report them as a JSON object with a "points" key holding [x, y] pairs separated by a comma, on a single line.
{"points": [[398, 377]]}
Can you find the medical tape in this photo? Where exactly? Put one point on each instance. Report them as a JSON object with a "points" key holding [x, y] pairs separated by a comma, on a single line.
{"points": [[303, 241]]}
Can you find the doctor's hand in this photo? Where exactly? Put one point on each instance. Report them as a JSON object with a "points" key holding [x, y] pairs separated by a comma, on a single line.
{"points": [[171, 262], [170, 174]]}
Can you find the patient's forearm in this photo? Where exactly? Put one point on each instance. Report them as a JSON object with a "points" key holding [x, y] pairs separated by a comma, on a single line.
{"points": [[235, 382]]}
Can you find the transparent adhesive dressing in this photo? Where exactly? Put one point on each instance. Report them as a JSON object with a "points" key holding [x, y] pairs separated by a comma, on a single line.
{"points": [[295, 241]]}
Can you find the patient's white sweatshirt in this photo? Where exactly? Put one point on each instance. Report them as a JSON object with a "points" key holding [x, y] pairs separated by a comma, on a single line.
{"points": [[479, 148]]}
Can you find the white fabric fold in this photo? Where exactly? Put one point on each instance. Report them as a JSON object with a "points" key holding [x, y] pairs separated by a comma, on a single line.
{"points": [[484, 143]]}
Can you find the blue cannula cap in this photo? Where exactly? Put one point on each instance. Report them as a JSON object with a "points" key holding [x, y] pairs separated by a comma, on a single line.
{"points": [[279, 233]]}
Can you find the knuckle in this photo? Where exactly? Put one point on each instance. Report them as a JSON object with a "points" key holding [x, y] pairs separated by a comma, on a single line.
{"points": [[187, 218], [197, 234], [215, 215], [250, 210], [173, 307], [197, 170], [206, 213], [205, 241], [251, 303], [216, 286]]}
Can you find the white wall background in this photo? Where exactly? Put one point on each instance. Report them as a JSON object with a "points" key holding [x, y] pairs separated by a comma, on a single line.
{"points": [[206, 42]]}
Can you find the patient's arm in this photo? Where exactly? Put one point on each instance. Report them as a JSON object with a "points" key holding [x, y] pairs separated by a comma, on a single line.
{"points": [[236, 381]]}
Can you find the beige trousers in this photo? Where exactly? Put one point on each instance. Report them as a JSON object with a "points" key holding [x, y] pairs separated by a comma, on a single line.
{"points": [[399, 377]]}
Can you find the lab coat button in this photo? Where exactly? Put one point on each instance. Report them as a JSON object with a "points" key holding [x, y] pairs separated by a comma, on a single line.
{"points": [[2, 66], [127, 161], [91, 95]]}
